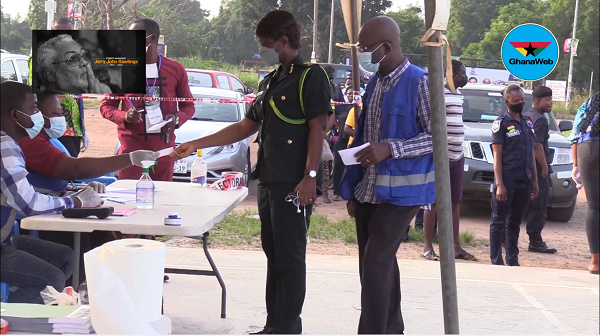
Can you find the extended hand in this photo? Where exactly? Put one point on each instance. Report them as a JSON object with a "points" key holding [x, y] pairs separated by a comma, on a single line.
{"points": [[138, 156], [374, 153], [85, 143], [184, 150], [98, 187], [307, 189], [89, 198]]}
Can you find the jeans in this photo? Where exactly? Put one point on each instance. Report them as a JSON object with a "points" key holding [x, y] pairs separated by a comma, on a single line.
{"points": [[31, 264]]}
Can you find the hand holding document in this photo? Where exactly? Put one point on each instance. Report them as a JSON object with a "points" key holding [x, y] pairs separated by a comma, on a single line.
{"points": [[158, 126], [347, 155]]}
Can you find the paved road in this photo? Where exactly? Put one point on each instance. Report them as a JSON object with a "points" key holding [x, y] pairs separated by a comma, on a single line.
{"points": [[492, 299]]}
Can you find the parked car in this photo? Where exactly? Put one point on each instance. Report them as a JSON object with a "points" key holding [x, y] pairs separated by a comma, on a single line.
{"points": [[14, 68], [341, 72], [219, 80], [482, 104], [208, 119]]}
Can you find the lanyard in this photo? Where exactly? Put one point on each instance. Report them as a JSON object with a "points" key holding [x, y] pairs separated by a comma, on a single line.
{"points": [[151, 90]]}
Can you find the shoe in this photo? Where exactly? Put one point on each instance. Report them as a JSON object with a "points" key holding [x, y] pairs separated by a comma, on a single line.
{"points": [[336, 198], [430, 255], [265, 330], [514, 263], [540, 247]]}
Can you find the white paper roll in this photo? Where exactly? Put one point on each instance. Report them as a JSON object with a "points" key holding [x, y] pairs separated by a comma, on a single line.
{"points": [[125, 285]]}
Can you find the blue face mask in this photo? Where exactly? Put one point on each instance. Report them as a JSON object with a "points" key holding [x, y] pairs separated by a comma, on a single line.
{"points": [[365, 60], [38, 123]]}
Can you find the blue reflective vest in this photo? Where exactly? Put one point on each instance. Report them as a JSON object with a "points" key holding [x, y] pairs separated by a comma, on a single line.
{"points": [[405, 181]]}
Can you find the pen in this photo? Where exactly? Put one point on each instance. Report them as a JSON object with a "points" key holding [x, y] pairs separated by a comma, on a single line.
{"points": [[115, 201]]}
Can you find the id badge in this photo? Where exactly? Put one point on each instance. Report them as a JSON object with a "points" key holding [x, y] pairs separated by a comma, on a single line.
{"points": [[153, 116], [151, 70]]}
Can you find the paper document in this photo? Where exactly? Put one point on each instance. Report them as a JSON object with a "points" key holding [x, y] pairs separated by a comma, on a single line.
{"points": [[165, 152], [347, 155], [158, 126]]}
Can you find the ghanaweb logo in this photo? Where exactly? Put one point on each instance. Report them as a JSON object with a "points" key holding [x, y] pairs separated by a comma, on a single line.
{"points": [[530, 52]]}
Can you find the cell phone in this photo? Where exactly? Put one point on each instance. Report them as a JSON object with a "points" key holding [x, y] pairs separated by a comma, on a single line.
{"points": [[101, 213]]}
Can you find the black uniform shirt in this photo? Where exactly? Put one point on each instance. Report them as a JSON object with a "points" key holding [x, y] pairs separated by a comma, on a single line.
{"points": [[517, 140], [540, 126], [283, 133]]}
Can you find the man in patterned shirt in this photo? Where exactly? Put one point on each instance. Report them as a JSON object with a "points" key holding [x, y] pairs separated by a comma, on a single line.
{"points": [[395, 176], [25, 262]]}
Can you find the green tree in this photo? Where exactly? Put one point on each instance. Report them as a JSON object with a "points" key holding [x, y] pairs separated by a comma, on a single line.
{"points": [[37, 16], [412, 27], [15, 34], [510, 16], [469, 19], [559, 20]]}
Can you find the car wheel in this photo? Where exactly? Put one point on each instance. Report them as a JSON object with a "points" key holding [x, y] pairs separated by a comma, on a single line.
{"points": [[247, 169], [561, 214]]}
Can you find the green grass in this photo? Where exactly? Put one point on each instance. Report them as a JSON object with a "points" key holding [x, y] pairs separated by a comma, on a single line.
{"points": [[468, 239], [92, 103], [241, 228], [415, 236], [562, 111]]}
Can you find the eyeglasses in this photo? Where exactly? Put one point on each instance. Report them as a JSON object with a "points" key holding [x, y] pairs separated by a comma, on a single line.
{"points": [[75, 59], [365, 48]]}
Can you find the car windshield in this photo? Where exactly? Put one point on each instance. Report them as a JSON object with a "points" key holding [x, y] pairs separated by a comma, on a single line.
{"points": [[199, 79], [485, 106], [224, 112]]}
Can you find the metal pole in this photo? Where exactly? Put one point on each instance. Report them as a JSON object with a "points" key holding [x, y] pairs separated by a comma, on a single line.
{"points": [[572, 55], [442, 177], [591, 81], [49, 6], [329, 56], [314, 40], [354, 55]]}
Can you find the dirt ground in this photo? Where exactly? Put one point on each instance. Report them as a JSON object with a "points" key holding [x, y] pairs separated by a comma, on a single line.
{"points": [[568, 238]]}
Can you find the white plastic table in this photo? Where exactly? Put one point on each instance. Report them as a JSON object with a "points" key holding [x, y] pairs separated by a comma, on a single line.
{"points": [[199, 208]]}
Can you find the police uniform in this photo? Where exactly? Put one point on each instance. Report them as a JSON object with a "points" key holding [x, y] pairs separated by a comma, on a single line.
{"points": [[286, 101], [537, 207], [517, 140]]}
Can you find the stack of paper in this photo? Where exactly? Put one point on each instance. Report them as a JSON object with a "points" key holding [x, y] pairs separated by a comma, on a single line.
{"points": [[118, 195], [35, 318]]}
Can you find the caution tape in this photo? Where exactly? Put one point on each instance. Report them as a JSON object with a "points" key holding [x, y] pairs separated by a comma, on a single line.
{"points": [[168, 99]]}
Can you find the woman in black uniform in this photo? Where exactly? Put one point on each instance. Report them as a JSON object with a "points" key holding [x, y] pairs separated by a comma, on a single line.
{"points": [[290, 112]]}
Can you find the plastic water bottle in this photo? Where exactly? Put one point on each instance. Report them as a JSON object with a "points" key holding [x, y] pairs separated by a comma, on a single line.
{"points": [[144, 190], [198, 173]]}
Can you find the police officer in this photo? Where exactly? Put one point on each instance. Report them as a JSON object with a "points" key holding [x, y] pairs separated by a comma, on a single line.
{"points": [[536, 214], [290, 112], [515, 174]]}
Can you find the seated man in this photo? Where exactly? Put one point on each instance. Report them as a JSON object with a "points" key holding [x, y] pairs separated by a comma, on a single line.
{"points": [[25, 262], [51, 169]]}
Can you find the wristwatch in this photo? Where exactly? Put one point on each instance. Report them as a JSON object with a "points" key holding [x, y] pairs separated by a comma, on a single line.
{"points": [[311, 173]]}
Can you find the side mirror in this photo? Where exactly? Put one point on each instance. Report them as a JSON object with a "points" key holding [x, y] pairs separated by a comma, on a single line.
{"points": [[249, 90], [565, 125]]}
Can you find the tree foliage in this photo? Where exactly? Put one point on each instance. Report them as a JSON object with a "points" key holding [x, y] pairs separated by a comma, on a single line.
{"points": [[16, 34]]}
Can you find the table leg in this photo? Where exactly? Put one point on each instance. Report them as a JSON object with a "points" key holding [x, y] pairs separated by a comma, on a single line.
{"points": [[76, 261], [217, 274]]}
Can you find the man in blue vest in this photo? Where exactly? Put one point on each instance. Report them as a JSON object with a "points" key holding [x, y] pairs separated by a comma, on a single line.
{"points": [[395, 175]]}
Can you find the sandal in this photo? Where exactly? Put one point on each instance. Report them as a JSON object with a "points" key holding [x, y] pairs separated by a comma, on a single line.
{"points": [[464, 255], [337, 198], [430, 255]]}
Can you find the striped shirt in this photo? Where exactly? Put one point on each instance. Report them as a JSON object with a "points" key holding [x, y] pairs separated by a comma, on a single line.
{"points": [[454, 124], [17, 193], [419, 145]]}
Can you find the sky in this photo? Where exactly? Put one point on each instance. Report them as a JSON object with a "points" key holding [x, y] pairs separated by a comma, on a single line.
{"points": [[14, 7]]}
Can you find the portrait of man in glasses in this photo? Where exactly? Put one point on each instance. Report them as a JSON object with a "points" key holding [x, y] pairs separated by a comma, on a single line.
{"points": [[64, 66]]}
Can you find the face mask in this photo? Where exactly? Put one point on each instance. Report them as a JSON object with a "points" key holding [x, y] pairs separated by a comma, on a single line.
{"points": [[269, 55], [365, 58], [58, 126], [38, 123], [517, 108]]}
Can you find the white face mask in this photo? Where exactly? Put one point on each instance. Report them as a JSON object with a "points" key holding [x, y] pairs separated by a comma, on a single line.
{"points": [[58, 126], [365, 60], [38, 123], [269, 55]]}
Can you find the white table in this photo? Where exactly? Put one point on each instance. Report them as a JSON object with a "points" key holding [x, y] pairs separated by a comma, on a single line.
{"points": [[199, 208]]}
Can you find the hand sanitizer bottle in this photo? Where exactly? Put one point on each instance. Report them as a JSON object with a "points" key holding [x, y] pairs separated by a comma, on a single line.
{"points": [[144, 189], [198, 173]]}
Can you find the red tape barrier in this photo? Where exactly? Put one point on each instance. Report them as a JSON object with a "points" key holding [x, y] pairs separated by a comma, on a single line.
{"points": [[200, 100]]}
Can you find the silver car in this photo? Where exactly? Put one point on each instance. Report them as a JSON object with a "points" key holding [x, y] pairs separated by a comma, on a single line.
{"points": [[208, 119]]}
